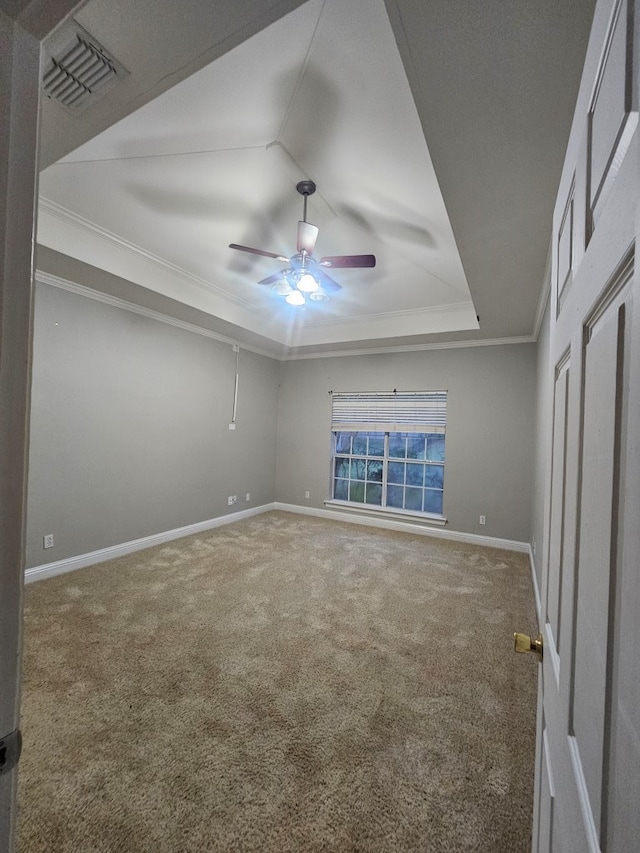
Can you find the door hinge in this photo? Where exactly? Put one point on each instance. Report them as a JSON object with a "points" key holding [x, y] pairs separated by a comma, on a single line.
{"points": [[10, 749]]}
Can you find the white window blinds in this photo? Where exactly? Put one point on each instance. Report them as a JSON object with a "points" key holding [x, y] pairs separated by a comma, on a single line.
{"points": [[401, 411]]}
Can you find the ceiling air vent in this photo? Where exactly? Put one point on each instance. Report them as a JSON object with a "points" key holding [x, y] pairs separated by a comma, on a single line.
{"points": [[81, 71]]}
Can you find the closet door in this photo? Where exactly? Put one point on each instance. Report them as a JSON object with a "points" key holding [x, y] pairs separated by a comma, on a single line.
{"points": [[588, 764]]}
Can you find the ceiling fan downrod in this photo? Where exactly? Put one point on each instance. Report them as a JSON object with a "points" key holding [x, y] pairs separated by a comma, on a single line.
{"points": [[305, 188]]}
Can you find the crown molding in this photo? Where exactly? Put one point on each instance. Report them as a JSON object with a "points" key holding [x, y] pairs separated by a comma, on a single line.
{"points": [[254, 320], [74, 220], [391, 315], [490, 342], [125, 305], [116, 302]]}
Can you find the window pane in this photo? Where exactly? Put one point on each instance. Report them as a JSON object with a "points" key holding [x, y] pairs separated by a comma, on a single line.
{"points": [[434, 476], [415, 474], [413, 499], [356, 492], [361, 467], [433, 501], [416, 446], [343, 442], [376, 444], [342, 467], [435, 447], [394, 496], [341, 490], [358, 467], [359, 443], [397, 445], [395, 472], [374, 471], [374, 493]]}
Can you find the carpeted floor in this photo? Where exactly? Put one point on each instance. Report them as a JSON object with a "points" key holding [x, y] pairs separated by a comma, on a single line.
{"points": [[284, 684]]}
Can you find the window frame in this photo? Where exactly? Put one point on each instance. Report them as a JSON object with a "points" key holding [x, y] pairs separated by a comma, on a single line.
{"points": [[383, 414], [386, 458]]}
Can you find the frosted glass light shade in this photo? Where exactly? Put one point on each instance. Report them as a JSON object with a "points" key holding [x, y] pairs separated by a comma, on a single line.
{"points": [[307, 283], [281, 288], [319, 295], [295, 298]]}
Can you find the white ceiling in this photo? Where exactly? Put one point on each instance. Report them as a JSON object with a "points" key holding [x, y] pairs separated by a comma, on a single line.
{"points": [[349, 94]]}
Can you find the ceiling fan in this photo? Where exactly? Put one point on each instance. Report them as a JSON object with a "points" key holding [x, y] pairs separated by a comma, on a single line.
{"points": [[305, 277]]}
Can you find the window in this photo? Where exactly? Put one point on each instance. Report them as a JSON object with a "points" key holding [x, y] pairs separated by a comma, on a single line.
{"points": [[388, 450]]}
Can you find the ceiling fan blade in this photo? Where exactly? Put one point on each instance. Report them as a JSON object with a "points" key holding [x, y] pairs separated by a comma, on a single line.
{"points": [[349, 261], [307, 236], [272, 278], [327, 282], [258, 252]]}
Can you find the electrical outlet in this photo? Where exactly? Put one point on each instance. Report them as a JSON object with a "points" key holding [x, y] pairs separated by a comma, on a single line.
{"points": [[483, 519], [47, 541], [231, 500], [248, 497], [533, 545], [307, 494]]}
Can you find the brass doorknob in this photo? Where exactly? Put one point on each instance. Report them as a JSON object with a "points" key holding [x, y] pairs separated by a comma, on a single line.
{"points": [[525, 643]]}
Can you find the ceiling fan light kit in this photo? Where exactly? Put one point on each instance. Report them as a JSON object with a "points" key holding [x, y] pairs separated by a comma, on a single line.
{"points": [[282, 288], [296, 297], [305, 277], [319, 295], [307, 283]]}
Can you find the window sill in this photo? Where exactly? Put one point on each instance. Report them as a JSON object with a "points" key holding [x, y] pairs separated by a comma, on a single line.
{"points": [[398, 514]]}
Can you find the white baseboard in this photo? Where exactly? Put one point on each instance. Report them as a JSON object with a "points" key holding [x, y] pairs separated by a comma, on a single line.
{"points": [[70, 564], [82, 560], [406, 527]]}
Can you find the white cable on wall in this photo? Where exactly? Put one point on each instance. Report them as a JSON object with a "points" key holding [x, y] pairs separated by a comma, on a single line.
{"points": [[232, 425]]}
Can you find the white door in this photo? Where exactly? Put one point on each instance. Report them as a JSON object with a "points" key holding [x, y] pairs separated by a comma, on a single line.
{"points": [[22, 25], [588, 755], [19, 64]]}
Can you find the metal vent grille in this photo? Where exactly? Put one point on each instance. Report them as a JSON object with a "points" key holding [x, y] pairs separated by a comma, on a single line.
{"points": [[75, 76], [80, 70]]}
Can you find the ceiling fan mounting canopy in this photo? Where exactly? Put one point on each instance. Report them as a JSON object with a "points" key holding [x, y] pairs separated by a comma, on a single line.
{"points": [[306, 188], [305, 277]]}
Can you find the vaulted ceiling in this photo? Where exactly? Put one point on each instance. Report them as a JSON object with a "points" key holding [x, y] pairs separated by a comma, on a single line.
{"points": [[434, 130]]}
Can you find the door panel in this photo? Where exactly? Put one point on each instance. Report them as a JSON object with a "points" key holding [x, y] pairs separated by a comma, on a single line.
{"points": [[612, 120], [596, 568], [588, 767], [546, 799], [556, 538], [566, 248]]}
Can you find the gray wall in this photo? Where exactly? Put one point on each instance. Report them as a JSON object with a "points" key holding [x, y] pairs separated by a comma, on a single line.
{"points": [[129, 427], [490, 427], [542, 464]]}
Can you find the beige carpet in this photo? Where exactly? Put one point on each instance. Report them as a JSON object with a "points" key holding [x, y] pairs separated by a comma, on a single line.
{"points": [[283, 684]]}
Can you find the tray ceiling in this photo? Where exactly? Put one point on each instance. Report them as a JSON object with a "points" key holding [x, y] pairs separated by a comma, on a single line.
{"points": [[321, 92]]}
